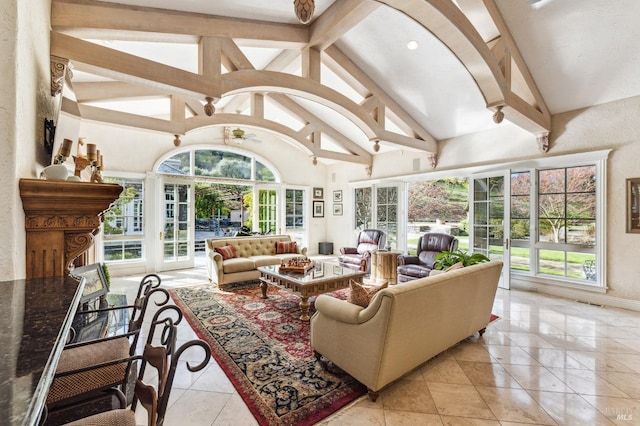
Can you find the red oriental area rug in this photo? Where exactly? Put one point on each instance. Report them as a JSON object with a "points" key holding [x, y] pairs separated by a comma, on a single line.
{"points": [[263, 347]]}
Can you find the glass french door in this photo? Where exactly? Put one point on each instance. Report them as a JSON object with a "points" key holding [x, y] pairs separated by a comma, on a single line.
{"points": [[177, 233], [266, 219], [387, 214], [490, 215]]}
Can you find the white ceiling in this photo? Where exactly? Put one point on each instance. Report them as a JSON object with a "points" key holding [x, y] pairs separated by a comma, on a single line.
{"points": [[579, 53]]}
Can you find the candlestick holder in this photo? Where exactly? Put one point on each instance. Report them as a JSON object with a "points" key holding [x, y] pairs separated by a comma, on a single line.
{"points": [[81, 163], [96, 174]]}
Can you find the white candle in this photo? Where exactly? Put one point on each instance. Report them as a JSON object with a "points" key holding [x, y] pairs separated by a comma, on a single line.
{"points": [[92, 152]]}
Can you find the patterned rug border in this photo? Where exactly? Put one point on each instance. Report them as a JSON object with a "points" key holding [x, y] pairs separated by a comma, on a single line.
{"points": [[234, 374]]}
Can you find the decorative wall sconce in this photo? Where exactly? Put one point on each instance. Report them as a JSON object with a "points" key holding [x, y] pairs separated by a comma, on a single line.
{"points": [[315, 160], [176, 140]]}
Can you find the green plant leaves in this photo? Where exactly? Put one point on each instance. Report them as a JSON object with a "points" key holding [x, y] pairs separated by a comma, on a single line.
{"points": [[446, 259]]}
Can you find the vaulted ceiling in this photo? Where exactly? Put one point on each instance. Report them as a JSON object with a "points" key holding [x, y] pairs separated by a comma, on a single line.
{"points": [[344, 86]]}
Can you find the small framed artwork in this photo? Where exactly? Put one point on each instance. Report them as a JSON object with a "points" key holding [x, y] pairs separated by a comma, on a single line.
{"points": [[337, 270], [95, 284], [318, 193], [633, 205], [318, 209], [318, 270], [337, 196], [337, 209]]}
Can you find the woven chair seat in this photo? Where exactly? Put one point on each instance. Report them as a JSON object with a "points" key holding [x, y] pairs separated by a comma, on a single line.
{"points": [[124, 417], [81, 383]]}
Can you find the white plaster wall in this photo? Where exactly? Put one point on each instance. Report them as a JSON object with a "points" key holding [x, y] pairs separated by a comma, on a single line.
{"points": [[24, 102]]}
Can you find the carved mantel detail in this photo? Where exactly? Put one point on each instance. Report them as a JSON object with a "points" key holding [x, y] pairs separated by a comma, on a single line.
{"points": [[61, 220], [58, 71], [543, 141]]}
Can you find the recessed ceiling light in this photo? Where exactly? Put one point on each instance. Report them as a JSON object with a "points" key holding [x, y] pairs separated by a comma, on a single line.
{"points": [[412, 45]]}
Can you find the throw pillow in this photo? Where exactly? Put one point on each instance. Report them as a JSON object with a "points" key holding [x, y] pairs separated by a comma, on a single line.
{"points": [[227, 252], [284, 247], [361, 295], [454, 267]]}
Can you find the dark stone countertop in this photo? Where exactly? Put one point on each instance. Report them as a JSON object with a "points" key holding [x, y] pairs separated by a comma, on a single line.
{"points": [[35, 317]]}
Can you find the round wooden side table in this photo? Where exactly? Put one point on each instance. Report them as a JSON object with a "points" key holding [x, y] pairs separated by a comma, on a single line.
{"points": [[384, 265]]}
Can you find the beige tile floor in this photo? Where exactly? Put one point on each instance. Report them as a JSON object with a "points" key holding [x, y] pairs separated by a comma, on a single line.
{"points": [[546, 361]]}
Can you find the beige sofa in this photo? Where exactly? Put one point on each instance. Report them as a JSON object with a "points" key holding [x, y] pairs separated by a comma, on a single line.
{"points": [[252, 252], [405, 325]]}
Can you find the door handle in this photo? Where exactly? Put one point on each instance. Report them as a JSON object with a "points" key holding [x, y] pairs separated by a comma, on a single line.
{"points": [[506, 244]]}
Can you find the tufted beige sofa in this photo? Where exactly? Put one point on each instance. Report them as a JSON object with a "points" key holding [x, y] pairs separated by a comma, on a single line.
{"points": [[405, 325], [252, 252]]}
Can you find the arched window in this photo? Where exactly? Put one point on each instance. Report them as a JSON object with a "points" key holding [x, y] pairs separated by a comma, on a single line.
{"points": [[217, 163]]}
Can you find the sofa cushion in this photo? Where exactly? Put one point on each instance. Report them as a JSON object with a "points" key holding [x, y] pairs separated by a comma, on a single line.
{"points": [[265, 260], [238, 264], [361, 295], [227, 252], [284, 247]]}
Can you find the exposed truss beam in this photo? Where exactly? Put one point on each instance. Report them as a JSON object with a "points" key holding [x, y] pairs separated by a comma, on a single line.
{"points": [[122, 66], [317, 124], [448, 23], [339, 19], [344, 67], [87, 18]]}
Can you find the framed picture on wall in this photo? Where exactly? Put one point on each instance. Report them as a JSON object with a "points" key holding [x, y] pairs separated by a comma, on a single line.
{"points": [[337, 196], [337, 209], [318, 209], [318, 193], [633, 205]]}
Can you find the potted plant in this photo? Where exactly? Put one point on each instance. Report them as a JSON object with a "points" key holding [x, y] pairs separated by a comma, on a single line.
{"points": [[446, 259]]}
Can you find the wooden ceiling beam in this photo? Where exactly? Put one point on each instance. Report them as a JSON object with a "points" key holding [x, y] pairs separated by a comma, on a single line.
{"points": [[346, 69], [88, 112], [337, 20], [449, 24], [106, 90], [318, 124], [96, 16], [122, 66]]}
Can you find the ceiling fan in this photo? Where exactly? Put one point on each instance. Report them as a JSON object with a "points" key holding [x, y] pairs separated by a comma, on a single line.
{"points": [[238, 136]]}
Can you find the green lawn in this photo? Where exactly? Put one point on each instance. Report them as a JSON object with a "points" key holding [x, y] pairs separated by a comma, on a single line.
{"points": [[516, 252]]}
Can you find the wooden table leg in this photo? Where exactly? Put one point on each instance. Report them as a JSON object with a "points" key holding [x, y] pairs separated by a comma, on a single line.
{"points": [[304, 309]]}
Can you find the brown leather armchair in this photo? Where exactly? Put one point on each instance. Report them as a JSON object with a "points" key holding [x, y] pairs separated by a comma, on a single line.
{"points": [[358, 257], [420, 265]]}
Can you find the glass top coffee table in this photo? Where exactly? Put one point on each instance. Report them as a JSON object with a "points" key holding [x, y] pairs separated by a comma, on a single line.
{"points": [[324, 277]]}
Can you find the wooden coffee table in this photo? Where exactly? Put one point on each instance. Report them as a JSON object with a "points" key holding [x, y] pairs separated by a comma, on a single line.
{"points": [[325, 277]]}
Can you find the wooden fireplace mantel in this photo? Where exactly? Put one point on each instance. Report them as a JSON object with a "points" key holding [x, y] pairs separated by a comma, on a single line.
{"points": [[61, 220]]}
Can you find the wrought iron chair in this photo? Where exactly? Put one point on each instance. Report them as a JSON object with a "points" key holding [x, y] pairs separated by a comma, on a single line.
{"points": [[88, 371], [155, 400]]}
